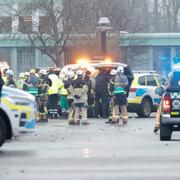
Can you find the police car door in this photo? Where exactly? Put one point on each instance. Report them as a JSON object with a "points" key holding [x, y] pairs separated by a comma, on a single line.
{"points": [[152, 85]]}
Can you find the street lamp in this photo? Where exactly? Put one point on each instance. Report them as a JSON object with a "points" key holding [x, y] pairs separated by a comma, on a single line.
{"points": [[103, 26]]}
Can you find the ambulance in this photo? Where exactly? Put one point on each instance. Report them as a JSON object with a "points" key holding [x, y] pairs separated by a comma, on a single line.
{"points": [[18, 112]]}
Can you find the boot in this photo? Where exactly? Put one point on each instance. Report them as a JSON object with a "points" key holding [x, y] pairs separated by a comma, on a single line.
{"points": [[156, 129], [73, 123], [85, 123], [115, 122], [109, 121]]}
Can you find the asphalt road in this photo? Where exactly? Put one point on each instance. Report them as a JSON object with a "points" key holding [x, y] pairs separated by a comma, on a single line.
{"points": [[96, 152]]}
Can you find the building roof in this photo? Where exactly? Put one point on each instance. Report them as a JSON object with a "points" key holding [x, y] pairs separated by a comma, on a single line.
{"points": [[149, 39]]}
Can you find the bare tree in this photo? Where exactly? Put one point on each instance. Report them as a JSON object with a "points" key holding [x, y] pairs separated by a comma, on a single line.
{"points": [[52, 36]]}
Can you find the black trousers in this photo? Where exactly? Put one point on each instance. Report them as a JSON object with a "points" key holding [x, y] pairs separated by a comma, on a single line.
{"points": [[53, 104], [101, 106]]}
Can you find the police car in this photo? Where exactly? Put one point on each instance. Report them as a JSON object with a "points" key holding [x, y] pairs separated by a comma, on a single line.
{"points": [[18, 113], [142, 98]]}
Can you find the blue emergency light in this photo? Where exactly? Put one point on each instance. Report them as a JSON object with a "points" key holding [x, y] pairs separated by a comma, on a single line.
{"points": [[176, 61]]}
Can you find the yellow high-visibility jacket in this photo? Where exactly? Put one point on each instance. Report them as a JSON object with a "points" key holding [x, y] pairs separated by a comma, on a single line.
{"points": [[57, 84]]}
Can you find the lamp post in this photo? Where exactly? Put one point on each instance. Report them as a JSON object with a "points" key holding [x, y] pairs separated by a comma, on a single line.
{"points": [[103, 26]]}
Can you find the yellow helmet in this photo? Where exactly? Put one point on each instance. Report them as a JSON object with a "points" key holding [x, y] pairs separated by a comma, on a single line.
{"points": [[32, 71]]}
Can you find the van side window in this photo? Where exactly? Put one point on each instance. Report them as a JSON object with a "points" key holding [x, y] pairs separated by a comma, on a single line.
{"points": [[151, 80], [141, 81]]}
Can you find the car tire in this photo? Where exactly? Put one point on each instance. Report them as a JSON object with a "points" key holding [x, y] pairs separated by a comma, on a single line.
{"points": [[165, 132], [145, 109], [3, 131]]}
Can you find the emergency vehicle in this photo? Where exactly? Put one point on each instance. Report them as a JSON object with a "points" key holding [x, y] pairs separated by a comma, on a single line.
{"points": [[18, 113], [142, 97]]}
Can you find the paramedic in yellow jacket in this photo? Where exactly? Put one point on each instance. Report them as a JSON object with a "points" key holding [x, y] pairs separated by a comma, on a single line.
{"points": [[80, 90], [53, 94]]}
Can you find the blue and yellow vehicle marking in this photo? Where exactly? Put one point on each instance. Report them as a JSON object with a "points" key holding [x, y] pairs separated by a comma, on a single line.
{"points": [[141, 91], [30, 116]]}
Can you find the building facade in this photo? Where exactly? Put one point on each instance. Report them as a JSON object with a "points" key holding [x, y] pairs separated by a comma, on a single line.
{"points": [[15, 47], [151, 51]]}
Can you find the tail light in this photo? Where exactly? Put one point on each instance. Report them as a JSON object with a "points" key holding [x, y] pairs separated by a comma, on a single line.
{"points": [[166, 104], [133, 89]]}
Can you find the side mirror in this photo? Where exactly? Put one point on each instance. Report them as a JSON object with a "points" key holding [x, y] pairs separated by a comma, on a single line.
{"points": [[159, 91]]}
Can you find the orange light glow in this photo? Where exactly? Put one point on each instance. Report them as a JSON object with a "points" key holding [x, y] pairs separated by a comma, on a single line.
{"points": [[82, 61], [108, 60]]}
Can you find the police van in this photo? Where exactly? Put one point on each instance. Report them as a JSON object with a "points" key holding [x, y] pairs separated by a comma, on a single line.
{"points": [[18, 113]]}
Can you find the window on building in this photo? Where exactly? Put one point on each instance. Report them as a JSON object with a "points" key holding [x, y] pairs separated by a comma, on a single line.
{"points": [[5, 24], [5, 55], [151, 80], [141, 81], [25, 24], [45, 24], [26, 59]]}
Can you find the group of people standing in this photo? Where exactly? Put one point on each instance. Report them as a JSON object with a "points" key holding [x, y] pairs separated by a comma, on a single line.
{"points": [[79, 95], [112, 91]]}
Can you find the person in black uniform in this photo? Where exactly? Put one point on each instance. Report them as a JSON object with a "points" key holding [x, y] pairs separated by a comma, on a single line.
{"points": [[101, 93], [129, 74]]}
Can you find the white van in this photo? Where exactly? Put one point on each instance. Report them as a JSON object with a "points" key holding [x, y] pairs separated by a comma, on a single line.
{"points": [[18, 113]]}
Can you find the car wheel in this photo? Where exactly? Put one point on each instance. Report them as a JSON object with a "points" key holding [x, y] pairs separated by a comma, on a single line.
{"points": [[3, 131], [165, 132], [146, 108]]}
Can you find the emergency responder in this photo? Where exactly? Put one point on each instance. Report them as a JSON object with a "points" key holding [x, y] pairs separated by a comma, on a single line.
{"points": [[53, 94], [63, 101], [157, 125], [44, 85], [10, 79], [25, 86], [33, 79], [90, 95], [4, 76], [70, 98], [120, 98], [101, 93], [129, 74], [32, 83], [80, 90], [26, 75], [20, 82], [113, 74], [1, 84]]}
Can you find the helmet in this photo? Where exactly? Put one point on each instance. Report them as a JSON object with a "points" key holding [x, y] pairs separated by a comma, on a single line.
{"points": [[32, 71], [9, 72], [120, 69], [113, 72], [22, 75], [70, 74], [37, 75], [79, 72], [43, 72], [26, 73]]}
